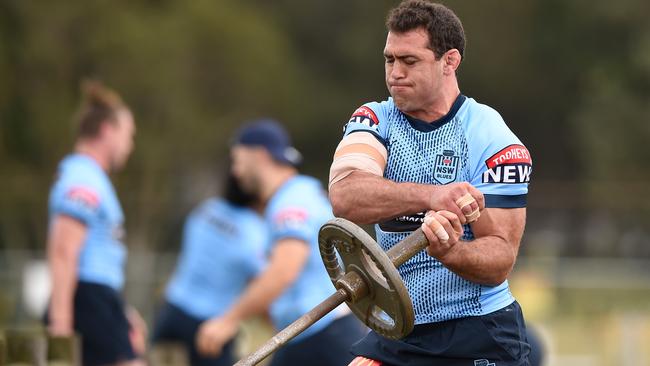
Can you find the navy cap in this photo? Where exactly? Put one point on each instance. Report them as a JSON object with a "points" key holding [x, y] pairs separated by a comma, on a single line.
{"points": [[269, 134]]}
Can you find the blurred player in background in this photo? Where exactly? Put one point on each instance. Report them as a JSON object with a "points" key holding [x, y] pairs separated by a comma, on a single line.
{"points": [[223, 249], [295, 280], [85, 249]]}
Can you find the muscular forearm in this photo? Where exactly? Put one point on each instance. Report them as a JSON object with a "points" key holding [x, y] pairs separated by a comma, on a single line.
{"points": [[63, 247], [487, 260], [365, 198], [259, 295]]}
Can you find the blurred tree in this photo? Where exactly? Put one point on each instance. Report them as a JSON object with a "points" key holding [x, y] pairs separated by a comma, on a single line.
{"points": [[572, 79]]}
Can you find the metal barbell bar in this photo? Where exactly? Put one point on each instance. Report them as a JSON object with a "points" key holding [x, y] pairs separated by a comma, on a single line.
{"points": [[369, 284]]}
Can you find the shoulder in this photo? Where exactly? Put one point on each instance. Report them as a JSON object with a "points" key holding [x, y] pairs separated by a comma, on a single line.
{"points": [[77, 171], [79, 190], [483, 125], [374, 117], [478, 115], [297, 197], [76, 175], [298, 190]]}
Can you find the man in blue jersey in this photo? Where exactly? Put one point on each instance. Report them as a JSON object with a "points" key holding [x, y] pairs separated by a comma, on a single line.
{"points": [[223, 249], [431, 157], [294, 280], [84, 245]]}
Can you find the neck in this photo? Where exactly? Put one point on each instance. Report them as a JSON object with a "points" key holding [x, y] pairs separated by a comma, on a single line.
{"points": [[276, 177], [94, 152], [441, 105]]}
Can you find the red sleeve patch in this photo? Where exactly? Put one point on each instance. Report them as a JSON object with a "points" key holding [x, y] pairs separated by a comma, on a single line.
{"points": [[511, 165], [291, 216], [366, 116], [84, 195], [513, 154]]}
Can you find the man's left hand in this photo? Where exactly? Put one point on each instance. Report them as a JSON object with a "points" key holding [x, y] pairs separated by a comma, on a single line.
{"points": [[443, 230], [213, 334], [138, 331]]}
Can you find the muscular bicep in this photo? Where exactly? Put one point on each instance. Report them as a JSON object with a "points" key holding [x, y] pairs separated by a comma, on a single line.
{"points": [[359, 151], [506, 224], [287, 259]]}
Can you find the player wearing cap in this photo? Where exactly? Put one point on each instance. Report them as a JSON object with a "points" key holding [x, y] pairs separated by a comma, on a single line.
{"points": [[295, 280], [223, 249]]}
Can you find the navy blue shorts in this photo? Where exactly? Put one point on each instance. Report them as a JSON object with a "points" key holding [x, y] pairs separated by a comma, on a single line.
{"points": [[329, 347], [498, 338], [100, 319], [174, 324]]}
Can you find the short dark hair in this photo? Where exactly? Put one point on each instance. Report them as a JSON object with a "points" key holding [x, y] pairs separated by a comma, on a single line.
{"points": [[99, 105], [441, 23]]}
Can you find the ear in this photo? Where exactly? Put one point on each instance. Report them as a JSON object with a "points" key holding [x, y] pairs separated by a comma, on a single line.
{"points": [[263, 155], [106, 128], [451, 60]]}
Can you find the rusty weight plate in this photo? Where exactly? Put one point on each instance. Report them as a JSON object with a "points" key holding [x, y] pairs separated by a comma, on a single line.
{"points": [[357, 264]]}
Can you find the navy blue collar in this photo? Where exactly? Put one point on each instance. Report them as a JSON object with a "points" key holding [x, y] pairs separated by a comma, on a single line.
{"points": [[424, 126]]}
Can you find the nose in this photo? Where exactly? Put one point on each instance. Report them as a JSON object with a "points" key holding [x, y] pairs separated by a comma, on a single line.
{"points": [[396, 71]]}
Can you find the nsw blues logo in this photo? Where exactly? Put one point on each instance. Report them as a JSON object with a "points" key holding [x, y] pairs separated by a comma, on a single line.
{"points": [[445, 168]]}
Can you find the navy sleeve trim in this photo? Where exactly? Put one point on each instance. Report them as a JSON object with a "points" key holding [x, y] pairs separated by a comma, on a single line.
{"points": [[505, 201], [379, 138], [73, 215], [290, 235]]}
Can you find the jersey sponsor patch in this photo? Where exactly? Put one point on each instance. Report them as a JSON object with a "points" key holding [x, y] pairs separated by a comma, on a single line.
{"points": [[83, 196], [366, 117], [403, 224], [510, 165], [290, 218], [445, 168]]}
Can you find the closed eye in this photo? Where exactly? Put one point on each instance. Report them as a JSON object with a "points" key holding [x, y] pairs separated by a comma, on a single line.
{"points": [[410, 61]]}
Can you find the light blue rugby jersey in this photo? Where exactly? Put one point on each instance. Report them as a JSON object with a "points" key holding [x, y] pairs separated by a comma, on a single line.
{"points": [[84, 191], [471, 143], [223, 249], [297, 211]]}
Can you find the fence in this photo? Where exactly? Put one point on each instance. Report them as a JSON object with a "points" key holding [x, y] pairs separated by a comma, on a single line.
{"points": [[588, 311]]}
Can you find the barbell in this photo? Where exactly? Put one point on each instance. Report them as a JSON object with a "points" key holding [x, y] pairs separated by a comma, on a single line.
{"points": [[365, 278]]}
